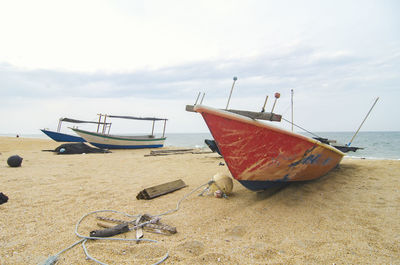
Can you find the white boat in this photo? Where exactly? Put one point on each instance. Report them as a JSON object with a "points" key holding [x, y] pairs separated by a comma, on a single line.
{"points": [[110, 141]]}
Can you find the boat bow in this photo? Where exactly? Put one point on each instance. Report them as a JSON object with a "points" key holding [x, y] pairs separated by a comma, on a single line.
{"points": [[260, 154]]}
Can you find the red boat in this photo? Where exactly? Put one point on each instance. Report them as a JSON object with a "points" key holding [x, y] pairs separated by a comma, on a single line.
{"points": [[260, 155]]}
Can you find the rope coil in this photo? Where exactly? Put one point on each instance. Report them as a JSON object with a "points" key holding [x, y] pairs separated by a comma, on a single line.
{"points": [[51, 260]]}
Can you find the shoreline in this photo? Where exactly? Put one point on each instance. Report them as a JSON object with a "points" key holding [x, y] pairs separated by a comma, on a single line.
{"points": [[203, 146], [349, 216], [370, 158]]}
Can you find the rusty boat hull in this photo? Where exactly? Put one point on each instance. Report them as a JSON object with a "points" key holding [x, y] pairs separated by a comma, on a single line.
{"points": [[260, 155]]}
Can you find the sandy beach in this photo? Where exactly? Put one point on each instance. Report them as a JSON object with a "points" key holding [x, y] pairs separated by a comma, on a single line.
{"points": [[350, 216]]}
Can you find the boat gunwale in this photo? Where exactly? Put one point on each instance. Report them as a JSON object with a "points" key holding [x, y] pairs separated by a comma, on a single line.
{"points": [[116, 137], [241, 118], [76, 138]]}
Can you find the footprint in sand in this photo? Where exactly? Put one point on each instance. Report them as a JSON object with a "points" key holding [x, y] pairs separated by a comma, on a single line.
{"points": [[215, 258], [192, 248], [237, 231], [260, 251]]}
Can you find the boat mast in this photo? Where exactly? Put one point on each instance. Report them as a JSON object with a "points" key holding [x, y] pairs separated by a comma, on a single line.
{"points": [[373, 105], [230, 94]]}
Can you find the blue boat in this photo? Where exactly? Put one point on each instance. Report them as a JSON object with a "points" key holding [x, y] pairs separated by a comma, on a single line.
{"points": [[64, 137]]}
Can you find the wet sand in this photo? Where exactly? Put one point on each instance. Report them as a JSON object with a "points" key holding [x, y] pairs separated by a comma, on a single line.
{"points": [[349, 216]]}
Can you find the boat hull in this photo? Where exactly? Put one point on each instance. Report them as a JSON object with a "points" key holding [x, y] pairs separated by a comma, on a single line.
{"points": [[260, 155], [119, 142], [62, 137]]}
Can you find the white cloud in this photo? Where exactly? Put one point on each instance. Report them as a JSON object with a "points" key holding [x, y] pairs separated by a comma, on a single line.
{"points": [[79, 58]]}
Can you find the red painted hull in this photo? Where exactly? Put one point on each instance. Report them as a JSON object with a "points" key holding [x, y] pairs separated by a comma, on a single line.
{"points": [[260, 155]]}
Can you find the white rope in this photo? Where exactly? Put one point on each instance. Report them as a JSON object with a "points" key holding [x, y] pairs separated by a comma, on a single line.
{"points": [[84, 239], [179, 202]]}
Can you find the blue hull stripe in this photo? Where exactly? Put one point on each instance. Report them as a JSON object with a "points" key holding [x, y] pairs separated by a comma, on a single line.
{"points": [[109, 146], [63, 137]]}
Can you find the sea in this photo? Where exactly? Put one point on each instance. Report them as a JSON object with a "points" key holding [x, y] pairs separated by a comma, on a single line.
{"points": [[376, 145]]}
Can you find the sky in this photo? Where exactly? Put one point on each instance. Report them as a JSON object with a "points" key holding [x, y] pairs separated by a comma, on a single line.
{"points": [[151, 58]]}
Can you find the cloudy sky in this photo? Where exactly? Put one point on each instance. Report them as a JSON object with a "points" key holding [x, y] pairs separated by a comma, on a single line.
{"points": [[150, 58]]}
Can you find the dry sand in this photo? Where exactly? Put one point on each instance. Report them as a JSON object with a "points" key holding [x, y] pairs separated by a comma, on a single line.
{"points": [[350, 216]]}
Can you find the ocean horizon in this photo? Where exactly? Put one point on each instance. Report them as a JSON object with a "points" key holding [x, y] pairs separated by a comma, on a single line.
{"points": [[376, 145]]}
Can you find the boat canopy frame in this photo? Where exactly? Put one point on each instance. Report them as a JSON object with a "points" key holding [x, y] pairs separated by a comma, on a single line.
{"points": [[153, 119], [61, 120]]}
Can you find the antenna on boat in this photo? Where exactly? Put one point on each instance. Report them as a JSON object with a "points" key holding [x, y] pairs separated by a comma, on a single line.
{"points": [[292, 106], [265, 103], [277, 95], [373, 105], [201, 101], [197, 98], [230, 94]]}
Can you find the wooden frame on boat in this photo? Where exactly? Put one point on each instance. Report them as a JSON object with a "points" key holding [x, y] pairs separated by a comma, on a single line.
{"points": [[110, 141]]}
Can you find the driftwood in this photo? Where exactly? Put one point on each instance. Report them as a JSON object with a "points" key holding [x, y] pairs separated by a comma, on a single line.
{"points": [[155, 191], [176, 152], [171, 151]]}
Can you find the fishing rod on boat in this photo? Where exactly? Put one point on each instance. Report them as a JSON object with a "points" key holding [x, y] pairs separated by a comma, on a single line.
{"points": [[373, 105], [277, 95], [230, 94], [265, 103]]}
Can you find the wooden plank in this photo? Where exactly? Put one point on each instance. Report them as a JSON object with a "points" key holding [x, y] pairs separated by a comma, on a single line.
{"points": [[156, 191], [268, 116], [176, 152], [170, 151]]}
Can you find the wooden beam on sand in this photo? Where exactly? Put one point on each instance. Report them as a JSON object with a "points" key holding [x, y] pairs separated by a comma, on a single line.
{"points": [[176, 152], [268, 116], [155, 191]]}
